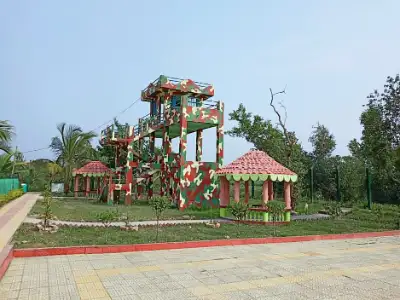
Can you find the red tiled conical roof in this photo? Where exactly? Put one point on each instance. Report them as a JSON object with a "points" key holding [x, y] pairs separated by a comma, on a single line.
{"points": [[255, 162], [93, 167]]}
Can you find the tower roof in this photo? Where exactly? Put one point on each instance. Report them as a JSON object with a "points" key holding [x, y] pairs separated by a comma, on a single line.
{"points": [[258, 164]]}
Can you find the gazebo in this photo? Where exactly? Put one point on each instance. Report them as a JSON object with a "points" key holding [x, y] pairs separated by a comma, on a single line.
{"points": [[256, 166], [94, 171]]}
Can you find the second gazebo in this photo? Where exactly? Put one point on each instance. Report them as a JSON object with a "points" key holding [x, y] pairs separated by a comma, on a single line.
{"points": [[256, 166], [89, 173]]}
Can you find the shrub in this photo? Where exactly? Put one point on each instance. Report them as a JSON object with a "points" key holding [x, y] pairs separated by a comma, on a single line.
{"points": [[275, 208], [108, 216], [159, 205], [47, 214], [11, 195], [239, 211]]}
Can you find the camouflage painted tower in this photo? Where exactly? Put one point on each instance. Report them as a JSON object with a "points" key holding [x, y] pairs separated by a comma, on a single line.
{"points": [[178, 107]]}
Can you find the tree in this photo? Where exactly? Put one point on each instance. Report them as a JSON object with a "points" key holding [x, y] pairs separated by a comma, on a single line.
{"points": [[6, 133], [6, 164], [323, 163], [323, 142], [380, 140], [271, 139], [159, 204], [72, 148]]}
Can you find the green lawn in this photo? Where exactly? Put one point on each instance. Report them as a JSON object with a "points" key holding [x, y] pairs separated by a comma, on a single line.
{"points": [[68, 209], [384, 217]]}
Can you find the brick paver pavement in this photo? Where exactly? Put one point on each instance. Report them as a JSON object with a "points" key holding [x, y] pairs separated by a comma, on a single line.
{"points": [[344, 269], [12, 215]]}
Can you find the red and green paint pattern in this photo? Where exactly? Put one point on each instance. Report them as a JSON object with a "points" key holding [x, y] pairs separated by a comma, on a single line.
{"points": [[199, 184], [191, 182]]}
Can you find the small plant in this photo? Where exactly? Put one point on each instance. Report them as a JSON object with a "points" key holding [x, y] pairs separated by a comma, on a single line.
{"points": [[108, 216], [275, 209], [239, 211], [127, 219], [47, 214], [335, 209], [159, 205]]}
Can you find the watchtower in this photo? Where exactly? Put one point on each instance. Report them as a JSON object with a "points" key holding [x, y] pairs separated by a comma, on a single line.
{"points": [[178, 107]]}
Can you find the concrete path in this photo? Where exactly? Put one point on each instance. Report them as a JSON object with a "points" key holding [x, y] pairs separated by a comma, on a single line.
{"points": [[13, 214], [30, 220], [344, 269]]}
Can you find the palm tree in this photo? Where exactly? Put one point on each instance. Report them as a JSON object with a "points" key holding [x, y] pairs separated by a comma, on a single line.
{"points": [[72, 149], [6, 133], [12, 163]]}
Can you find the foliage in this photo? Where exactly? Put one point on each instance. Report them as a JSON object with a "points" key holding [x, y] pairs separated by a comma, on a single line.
{"points": [[47, 214], [334, 209], [271, 139], [380, 141], [108, 216], [72, 148], [239, 212], [11, 195], [159, 205], [378, 149], [6, 133], [276, 209], [55, 171]]}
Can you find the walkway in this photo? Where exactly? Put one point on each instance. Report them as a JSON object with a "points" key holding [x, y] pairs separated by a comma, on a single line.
{"points": [[30, 220], [345, 269], [13, 214]]}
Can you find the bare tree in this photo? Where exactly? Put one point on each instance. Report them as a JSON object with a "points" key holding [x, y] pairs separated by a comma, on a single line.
{"points": [[290, 138]]}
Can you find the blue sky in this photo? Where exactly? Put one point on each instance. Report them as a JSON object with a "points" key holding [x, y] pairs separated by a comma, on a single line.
{"points": [[84, 61]]}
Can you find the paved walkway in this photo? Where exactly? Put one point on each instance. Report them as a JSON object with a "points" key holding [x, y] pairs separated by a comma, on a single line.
{"points": [[345, 269], [30, 220], [13, 214], [138, 223]]}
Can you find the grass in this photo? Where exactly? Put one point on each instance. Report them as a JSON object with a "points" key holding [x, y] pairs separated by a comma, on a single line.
{"points": [[68, 209], [382, 217]]}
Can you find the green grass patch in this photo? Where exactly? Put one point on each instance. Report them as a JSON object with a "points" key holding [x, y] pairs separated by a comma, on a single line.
{"points": [[68, 209], [359, 220]]}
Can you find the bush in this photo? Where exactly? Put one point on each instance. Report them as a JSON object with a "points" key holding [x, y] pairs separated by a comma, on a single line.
{"points": [[108, 216], [239, 211], [11, 195]]}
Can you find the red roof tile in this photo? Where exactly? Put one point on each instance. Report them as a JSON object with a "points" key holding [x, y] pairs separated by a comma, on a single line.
{"points": [[255, 162], [93, 167]]}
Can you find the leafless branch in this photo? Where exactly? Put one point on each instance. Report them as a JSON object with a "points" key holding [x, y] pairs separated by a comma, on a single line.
{"points": [[284, 109], [281, 122]]}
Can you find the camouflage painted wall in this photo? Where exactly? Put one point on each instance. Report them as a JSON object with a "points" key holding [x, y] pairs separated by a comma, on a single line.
{"points": [[199, 184]]}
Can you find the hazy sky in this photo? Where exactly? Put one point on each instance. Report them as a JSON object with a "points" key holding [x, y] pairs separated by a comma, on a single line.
{"points": [[84, 61]]}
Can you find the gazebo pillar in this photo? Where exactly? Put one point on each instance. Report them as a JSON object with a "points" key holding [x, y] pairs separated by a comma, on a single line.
{"points": [[286, 187], [246, 192], [98, 186], [87, 186], [223, 196], [76, 186], [270, 190], [110, 197], [265, 194], [236, 191]]}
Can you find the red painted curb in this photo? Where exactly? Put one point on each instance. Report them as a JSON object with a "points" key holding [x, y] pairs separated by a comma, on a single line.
{"points": [[30, 252], [6, 257]]}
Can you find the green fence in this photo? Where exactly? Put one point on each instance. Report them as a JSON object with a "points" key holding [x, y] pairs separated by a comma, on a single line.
{"points": [[8, 184]]}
